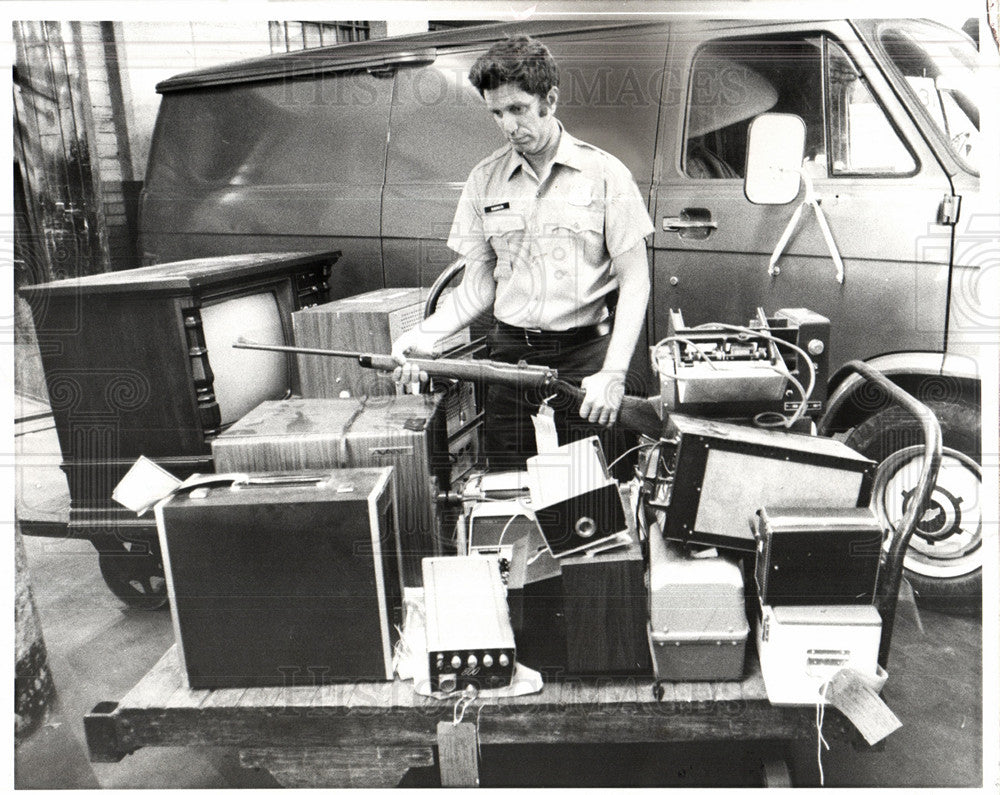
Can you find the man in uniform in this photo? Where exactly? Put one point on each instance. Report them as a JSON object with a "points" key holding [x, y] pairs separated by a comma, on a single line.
{"points": [[551, 229]]}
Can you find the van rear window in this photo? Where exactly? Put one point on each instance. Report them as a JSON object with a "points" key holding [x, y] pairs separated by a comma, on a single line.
{"points": [[328, 128]]}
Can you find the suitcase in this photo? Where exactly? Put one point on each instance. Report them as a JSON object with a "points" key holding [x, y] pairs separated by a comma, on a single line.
{"points": [[405, 431], [801, 647], [697, 615], [289, 579], [820, 556], [724, 472]]}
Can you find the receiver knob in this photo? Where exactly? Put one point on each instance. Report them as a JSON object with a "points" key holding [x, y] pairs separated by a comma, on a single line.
{"points": [[472, 661], [504, 660], [487, 660], [456, 662]]}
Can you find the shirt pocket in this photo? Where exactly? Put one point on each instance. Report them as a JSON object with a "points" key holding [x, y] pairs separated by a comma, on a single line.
{"points": [[505, 234], [578, 235]]}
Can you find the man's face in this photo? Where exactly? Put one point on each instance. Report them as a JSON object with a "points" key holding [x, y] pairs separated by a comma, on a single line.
{"points": [[525, 119]]}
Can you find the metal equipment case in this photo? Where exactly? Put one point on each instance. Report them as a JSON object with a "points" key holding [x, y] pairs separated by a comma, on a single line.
{"points": [[719, 474], [801, 647], [819, 556], [738, 375], [469, 637], [286, 579], [509, 521], [697, 615]]}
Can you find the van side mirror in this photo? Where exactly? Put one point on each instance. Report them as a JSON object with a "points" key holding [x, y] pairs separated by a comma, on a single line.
{"points": [[776, 143]]}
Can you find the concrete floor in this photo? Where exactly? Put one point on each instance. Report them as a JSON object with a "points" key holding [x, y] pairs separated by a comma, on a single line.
{"points": [[98, 649]]}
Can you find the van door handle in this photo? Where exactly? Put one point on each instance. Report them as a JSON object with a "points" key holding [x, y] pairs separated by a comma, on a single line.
{"points": [[694, 223], [684, 222], [676, 224]]}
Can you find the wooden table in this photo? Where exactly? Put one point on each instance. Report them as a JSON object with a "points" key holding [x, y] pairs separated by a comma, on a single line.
{"points": [[369, 734]]}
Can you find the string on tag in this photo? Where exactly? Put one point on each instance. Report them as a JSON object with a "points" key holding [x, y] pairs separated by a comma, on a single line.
{"points": [[468, 696], [399, 649], [821, 742]]}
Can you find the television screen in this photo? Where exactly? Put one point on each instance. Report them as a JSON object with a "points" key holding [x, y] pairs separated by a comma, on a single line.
{"points": [[244, 379]]}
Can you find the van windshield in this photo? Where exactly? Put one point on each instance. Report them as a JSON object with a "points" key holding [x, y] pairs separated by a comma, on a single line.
{"points": [[939, 65]]}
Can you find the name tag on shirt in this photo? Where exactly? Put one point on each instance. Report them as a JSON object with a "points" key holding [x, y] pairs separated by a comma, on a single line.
{"points": [[497, 207]]}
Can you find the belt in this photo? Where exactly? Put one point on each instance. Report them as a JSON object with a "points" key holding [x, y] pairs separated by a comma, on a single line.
{"points": [[535, 338]]}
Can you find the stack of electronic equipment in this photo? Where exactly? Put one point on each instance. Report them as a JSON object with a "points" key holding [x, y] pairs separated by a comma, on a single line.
{"points": [[816, 573], [720, 370], [571, 559], [730, 495], [288, 565]]}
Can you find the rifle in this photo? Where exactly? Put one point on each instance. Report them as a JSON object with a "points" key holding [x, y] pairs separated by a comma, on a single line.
{"points": [[635, 414]]}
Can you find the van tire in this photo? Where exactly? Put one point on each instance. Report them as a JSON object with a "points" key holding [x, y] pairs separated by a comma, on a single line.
{"points": [[895, 429]]}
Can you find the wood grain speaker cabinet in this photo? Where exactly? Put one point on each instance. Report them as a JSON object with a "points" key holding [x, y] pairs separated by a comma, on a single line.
{"points": [[605, 612], [404, 431], [367, 323]]}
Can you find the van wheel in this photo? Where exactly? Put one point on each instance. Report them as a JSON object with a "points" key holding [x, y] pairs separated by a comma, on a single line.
{"points": [[134, 573], [944, 560]]}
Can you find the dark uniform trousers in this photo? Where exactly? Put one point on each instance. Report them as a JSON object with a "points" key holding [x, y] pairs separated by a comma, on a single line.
{"points": [[509, 434]]}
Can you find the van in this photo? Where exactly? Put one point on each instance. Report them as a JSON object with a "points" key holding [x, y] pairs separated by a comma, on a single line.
{"points": [[364, 147]]}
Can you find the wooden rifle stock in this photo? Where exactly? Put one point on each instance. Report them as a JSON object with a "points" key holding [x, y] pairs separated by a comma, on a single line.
{"points": [[635, 414]]}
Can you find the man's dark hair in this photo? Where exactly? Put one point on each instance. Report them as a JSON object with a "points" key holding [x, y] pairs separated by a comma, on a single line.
{"points": [[520, 60]]}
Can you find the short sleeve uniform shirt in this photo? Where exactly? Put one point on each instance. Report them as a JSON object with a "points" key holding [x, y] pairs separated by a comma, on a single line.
{"points": [[550, 244]]}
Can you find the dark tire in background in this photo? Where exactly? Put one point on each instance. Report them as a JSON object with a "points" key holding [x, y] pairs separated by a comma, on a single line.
{"points": [[134, 573], [944, 560]]}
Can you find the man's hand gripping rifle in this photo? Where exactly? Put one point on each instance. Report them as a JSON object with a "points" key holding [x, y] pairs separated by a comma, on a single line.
{"points": [[635, 414]]}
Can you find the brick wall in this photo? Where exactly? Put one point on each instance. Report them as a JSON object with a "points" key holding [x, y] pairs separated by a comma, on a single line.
{"points": [[109, 139]]}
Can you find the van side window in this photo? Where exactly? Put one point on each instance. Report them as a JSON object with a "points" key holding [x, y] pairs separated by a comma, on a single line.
{"points": [[862, 141], [735, 80], [940, 67]]}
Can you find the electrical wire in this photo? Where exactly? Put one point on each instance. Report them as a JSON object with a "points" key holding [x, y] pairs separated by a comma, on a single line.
{"points": [[630, 450], [466, 699], [743, 332], [654, 357], [504, 531], [806, 359]]}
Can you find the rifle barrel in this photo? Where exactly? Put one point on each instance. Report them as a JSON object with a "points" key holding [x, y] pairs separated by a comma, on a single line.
{"points": [[260, 346], [636, 414]]}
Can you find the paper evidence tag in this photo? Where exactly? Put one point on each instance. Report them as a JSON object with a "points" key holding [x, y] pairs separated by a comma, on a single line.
{"points": [[546, 436], [144, 485], [861, 705]]}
